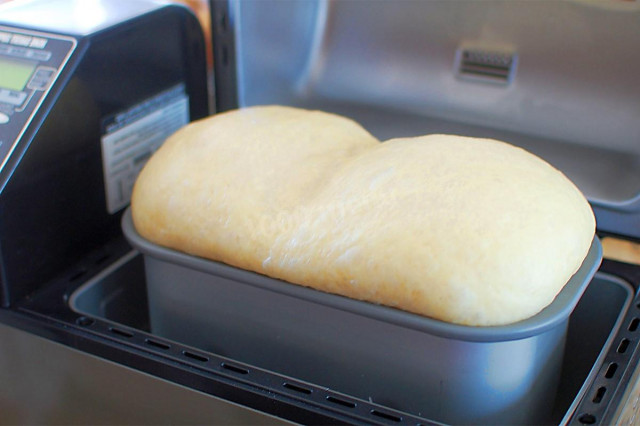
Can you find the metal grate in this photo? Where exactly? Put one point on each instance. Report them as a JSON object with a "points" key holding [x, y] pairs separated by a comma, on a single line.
{"points": [[486, 65]]}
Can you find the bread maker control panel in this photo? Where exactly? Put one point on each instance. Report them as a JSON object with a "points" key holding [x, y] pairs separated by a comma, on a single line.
{"points": [[29, 64]]}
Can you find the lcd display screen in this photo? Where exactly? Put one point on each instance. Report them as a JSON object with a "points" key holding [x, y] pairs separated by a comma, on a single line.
{"points": [[14, 75]]}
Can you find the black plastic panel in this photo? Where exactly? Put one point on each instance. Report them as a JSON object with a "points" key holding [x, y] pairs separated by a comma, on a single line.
{"points": [[53, 209]]}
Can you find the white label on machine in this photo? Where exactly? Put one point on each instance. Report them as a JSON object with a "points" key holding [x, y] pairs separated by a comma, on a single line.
{"points": [[130, 137]]}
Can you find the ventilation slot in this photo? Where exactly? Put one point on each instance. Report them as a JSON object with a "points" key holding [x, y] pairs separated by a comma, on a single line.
{"points": [[587, 419], [386, 416], [234, 368], [633, 326], [484, 65], [599, 395], [222, 22], [611, 370], [622, 347], [342, 402], [121, 333], [102, 259], [195, 356], [296, 388], [157, 344], [85, 321]]}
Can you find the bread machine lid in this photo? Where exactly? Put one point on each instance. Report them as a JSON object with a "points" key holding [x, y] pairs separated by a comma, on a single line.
{"points": [[510, 71]]}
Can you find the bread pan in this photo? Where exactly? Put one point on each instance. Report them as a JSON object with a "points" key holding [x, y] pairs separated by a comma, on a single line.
{"points": [[445, 372]]}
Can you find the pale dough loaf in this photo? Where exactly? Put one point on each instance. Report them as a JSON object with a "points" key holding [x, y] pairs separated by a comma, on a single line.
{"points": [[469, 231]]}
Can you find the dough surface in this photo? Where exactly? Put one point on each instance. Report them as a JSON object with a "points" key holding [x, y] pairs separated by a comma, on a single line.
{"points": [[464, 230]]}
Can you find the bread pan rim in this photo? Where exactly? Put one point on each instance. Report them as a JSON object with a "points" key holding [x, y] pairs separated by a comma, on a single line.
{"points": [[551, 316]]}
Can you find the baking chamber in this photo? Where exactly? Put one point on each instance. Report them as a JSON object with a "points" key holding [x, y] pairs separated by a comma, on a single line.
{"points": [[557, 78]]}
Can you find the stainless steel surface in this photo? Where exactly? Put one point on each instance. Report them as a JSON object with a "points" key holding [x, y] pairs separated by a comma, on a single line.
{"points": [[42, 382], [401, 56], [628, 412], [574, 98]]}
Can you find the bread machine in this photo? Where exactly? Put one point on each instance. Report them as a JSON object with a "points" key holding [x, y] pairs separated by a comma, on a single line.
{"points": [[76, 342]]}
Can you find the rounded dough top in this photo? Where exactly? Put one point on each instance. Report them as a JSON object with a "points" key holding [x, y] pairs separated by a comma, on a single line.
{"points": [[465, 230]]}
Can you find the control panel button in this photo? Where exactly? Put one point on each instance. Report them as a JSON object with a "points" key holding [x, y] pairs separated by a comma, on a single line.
{"points": [[25, 52], [45, 73], [38, 84], [5, 37], [38, 42], [12, 97], [18, 51], [4, 118], [39, 55], [41, 78], [20, 40]]}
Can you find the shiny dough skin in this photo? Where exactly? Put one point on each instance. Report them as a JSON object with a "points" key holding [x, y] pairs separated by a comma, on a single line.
{"points": [[464, 230]]}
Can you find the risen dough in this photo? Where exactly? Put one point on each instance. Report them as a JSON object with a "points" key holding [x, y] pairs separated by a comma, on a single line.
{"points": [[469, 231]]}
